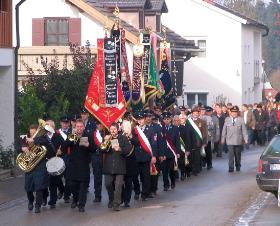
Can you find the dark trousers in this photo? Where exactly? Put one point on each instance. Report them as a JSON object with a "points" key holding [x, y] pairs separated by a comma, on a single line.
{"points": [[144, 172], [208, 156], [136, 184], [234, 155], [261, 137], [196, 161], [219, 149], [154, 179], [114, 184], [96, 161], [67, 186], [250, 135], [79, 191], [182, 165], [55, 184], [168, 171], [39, 195], [127, 191]]}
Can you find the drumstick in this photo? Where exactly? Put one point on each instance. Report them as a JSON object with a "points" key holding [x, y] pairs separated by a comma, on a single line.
{"points": [[58, 150]]}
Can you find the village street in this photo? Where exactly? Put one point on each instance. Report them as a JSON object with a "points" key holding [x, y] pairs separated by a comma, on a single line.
{"points": [[213, 198]]}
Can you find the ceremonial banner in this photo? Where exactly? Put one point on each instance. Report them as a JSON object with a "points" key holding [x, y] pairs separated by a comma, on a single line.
{"points": [[137, 92], [146, 57], [125, 77], [95, 101], [110, 69], [151, 88]]}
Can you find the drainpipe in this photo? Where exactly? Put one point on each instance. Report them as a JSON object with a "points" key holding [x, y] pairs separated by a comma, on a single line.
{"points": [[16, 132]]}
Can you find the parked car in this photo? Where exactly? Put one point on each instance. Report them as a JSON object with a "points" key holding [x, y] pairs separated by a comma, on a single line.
{"points": [[269, 167]]}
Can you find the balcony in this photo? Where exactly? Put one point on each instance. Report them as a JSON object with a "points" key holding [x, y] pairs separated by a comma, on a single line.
{"points": [[31, 56], [5, 29]]}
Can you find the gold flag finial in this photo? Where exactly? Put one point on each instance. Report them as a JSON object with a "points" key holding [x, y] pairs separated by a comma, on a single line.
{"points": [[116, 11]]}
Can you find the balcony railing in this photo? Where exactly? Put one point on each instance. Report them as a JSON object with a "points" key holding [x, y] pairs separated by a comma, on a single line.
{"points": [[31, 57], [5, 29]]}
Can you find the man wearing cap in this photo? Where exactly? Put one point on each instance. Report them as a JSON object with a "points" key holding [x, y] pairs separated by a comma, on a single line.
{"points": [[96, 160], [200, 142], [233, 134], [171, 151], [221, 118], [89, 124], [64, 131], [157, 130], [143, 158]]}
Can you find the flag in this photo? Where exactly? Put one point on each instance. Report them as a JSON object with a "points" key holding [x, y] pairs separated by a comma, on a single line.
{"points": [[99, 90]]}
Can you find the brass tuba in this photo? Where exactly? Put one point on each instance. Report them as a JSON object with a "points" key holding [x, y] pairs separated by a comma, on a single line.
{"points": [[28, 161]]}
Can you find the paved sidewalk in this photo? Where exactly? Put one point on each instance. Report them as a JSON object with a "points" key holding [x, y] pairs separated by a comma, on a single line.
{"points": [[11, 189]]}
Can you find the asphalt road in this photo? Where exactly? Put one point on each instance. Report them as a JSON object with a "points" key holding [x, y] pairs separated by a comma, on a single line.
{"points": [[215, 197]]}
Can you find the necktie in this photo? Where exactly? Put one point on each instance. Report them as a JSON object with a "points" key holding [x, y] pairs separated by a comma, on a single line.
{"points": [[233, 121]]}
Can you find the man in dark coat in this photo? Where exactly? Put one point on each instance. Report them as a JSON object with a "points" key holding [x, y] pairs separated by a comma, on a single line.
{"points": [[79, 160], [55, 181], [159, 145], [143, 158], [172, 151], [261, 121], [114, 166], [37, 179]]}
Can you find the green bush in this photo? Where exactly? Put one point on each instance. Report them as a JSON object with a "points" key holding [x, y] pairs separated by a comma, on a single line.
{"points": [[55, 92]]}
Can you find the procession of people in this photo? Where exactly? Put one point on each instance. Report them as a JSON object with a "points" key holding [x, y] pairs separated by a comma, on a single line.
{"points": [[133, 154]]}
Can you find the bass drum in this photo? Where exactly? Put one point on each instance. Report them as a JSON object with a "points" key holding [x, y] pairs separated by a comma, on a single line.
{"points": [[55, 166]]}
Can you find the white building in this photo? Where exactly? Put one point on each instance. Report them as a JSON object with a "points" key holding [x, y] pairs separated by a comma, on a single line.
{"points": [[231, 65], [7, 75]]}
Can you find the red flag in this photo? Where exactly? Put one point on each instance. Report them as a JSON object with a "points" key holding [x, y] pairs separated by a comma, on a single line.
{"points": [[95, 100]]}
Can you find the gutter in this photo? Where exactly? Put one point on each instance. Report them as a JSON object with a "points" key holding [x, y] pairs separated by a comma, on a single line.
{"points": [[16, 132]]}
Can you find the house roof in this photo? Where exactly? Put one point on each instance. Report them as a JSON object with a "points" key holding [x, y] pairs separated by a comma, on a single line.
{"points": [[249, 21], [159, 6], [106, 17], [146, 4]]}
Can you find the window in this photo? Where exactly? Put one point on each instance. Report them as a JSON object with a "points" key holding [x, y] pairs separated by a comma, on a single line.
{"points": [[56, 31], [196, 98], [202, 45], [256, 68], [190, 99]]}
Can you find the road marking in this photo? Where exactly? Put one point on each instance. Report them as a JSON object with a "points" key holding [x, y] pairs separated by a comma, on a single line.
{"points": [[248, 216], [12, 204]]}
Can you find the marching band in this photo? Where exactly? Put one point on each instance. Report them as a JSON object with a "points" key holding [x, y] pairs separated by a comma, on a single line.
{"points": [[131, 155]]}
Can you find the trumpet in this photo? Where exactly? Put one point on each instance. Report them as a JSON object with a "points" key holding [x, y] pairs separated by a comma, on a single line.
{"points": [[106, 143], [73, 137]]}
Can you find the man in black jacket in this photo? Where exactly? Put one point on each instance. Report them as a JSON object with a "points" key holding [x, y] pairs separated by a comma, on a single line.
{"points": [[171, 151], [114, 166], [79, 160], [143, 158]]}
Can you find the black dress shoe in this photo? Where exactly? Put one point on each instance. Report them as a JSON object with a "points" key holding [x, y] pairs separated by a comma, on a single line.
{"points": [[136, 197], [97, 199], [165, 188], [144, 199], [172, 186], [73, 205], [30, 206], [37, 209], [116, 208], [60, 195], [126, 205], [183, 178], [150, 196], [67, 200], [209, 167], [44, 203], [110, 205], [230, 170], [52, 206], [81, 209]]}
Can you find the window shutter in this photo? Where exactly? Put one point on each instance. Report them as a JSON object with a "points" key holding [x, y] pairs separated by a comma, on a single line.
{"points": [[75, 31], [38, 32]]}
